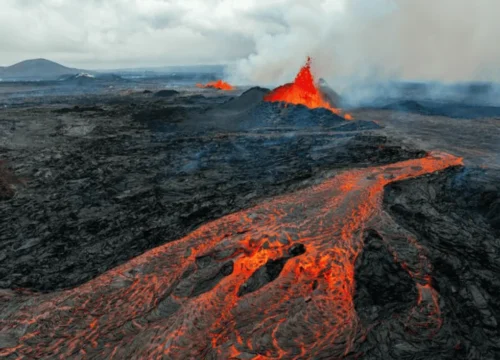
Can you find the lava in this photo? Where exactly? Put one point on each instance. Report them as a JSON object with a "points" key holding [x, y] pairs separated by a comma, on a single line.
{"points": [[303, 91], [219, 84], [273, 281]]}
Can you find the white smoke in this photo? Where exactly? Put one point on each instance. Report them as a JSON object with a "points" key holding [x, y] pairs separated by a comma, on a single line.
{"points": [[266, 41], [376, 40]]}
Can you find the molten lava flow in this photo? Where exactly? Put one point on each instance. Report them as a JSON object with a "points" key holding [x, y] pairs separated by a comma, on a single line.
{"points": [[219, 84], [303, 91], [274, 281]]}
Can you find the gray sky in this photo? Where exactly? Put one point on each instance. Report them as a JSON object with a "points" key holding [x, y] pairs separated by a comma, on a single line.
{"points": [[264, 41], [118, 33]]}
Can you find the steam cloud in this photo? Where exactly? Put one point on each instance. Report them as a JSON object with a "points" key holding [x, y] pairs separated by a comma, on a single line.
{"points": [[445, 40], [265, 41]]}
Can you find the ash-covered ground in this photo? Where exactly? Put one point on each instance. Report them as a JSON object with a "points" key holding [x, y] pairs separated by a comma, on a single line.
{"points": [[90, 181]]}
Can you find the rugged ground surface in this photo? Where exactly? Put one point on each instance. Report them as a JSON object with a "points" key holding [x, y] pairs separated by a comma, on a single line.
{"points": [[454, 215], [108, 181], [471, 131], [276, 280], [278, 232]]}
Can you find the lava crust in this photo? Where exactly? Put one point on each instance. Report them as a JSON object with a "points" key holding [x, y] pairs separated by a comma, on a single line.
{"points": [[184, 300], [218, 226], [105, 186]]}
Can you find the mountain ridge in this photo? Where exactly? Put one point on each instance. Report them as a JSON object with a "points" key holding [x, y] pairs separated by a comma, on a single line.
{"points": [[36, 69]]}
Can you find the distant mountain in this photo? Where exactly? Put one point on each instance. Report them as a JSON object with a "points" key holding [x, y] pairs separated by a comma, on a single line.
{"points": [[88, 79], [35, 69], [42, 69]]}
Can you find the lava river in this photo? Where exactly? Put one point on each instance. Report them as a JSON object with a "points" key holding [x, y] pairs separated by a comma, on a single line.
{"points": [[273, 281]]}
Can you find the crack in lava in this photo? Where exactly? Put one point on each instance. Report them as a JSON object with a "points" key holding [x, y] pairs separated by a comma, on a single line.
{"points": [[182, 301]]}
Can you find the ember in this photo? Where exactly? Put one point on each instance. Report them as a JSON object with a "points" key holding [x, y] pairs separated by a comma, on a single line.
{"points": [[303, 91], [274, 281], [219, 84]]}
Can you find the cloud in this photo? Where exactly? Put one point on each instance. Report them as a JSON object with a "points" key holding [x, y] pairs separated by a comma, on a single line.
{"points": [[360, 40], [265, 42], [305, 31], [113, 33]]}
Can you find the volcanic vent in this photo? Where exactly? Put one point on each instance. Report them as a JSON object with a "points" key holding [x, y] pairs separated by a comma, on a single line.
{"points": [[219, 84], [304, 91]]}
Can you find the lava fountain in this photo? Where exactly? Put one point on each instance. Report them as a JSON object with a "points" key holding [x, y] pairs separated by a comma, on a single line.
{"points": [[303, 91], [274, 281], [219, 84]]}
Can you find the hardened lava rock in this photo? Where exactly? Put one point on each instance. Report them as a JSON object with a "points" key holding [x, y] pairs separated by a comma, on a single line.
{"points": [[107, 180], [454, 215], [273, 281]]}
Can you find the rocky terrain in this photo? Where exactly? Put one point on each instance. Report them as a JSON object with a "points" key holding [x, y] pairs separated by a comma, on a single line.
{"points": [[107, 182], [138, 224]]}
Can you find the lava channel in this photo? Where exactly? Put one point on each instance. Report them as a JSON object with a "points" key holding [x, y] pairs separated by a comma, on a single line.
{"points": [[303, 91], [219, 84], [274, 281]]}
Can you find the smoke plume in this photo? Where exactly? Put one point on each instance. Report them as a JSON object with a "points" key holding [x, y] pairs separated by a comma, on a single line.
{"points": [[378, 40]]}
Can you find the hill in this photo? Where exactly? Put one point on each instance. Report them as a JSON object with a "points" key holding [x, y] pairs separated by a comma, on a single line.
{"points": [[35, 69], [88, 79]]}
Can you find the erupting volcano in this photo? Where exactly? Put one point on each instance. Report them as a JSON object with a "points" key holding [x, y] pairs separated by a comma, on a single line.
{"points": [[274, 281], [303, 91], [219, 84]]}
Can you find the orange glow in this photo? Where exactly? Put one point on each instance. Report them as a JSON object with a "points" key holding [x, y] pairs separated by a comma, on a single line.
{"points": [[307, 312], [303, 91], [219, 84]]}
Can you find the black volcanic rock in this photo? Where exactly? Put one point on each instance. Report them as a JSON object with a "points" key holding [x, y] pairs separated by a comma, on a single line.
{"points": [[274, 114], [383, 287], [269, 272], [7, 182], [166, 93], [274, 280], [79, 109], [122, 184], [245, 101], [452, 110], [157, 116], [453, 216]]}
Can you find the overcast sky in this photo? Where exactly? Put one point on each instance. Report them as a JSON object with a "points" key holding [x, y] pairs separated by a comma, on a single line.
{"points": [[265, 41], [117, 33]]}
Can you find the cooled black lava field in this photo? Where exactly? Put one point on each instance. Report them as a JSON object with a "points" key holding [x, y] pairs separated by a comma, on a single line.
{"points": [[201, 224]]}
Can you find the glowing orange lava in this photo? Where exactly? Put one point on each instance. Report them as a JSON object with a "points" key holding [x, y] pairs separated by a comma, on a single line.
{"points": [[303, 91], [174, 302], [219, 84]]}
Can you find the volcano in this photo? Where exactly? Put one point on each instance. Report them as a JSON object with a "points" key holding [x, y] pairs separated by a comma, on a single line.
{"points": [[303, 91], [219, 84], [183, 226]]}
